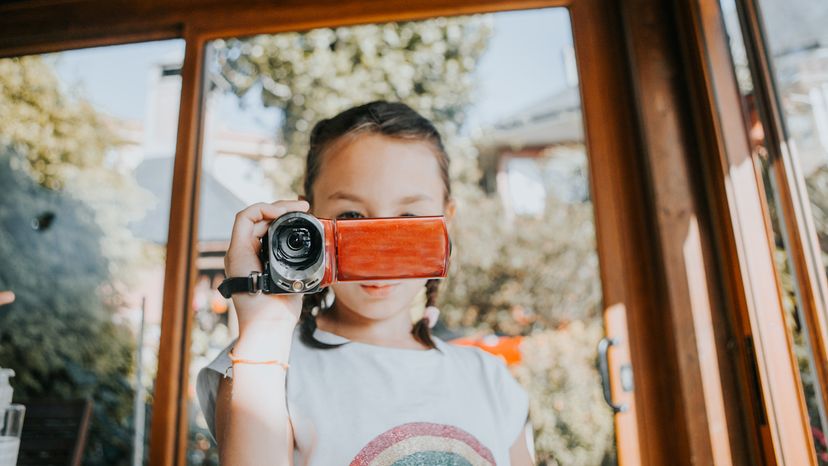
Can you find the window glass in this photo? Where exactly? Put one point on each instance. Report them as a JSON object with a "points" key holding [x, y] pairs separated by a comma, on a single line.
{"points": [[797, 46], [86, 147], [503, 91]]}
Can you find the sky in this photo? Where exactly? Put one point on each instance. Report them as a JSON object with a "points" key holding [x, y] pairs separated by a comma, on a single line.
{"points": [[522, 64]]}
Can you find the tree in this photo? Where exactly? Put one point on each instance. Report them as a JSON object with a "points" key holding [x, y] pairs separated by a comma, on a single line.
{"points": [[63, 143], [573, 424], [315, 74], [515, 278], [60, 336]]}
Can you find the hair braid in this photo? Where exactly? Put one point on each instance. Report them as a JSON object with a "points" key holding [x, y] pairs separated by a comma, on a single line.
{"points": [[421, 330], [312, 304]]}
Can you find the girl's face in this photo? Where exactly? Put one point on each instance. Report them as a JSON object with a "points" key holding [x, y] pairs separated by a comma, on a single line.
{"points": [[371, 175]]}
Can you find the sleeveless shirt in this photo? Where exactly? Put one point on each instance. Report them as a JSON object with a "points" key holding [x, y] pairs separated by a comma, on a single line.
{"points": [[363, 404]]}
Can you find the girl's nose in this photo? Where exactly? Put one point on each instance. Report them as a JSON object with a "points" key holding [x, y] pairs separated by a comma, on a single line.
{"points": [[381, 212]]}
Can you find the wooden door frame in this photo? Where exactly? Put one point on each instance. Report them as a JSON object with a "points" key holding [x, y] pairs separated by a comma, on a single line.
{"points": [[649, 191]]}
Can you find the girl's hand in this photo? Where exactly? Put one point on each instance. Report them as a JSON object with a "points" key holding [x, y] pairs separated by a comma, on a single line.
{"points": [[261, 313]]}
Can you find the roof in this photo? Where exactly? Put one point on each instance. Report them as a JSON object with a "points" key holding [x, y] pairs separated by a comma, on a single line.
{"points": [[553, 120], [218, 205], [795, 25]]}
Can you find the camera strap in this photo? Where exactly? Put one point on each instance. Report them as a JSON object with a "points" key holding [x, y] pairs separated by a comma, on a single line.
{"points": [[251, 284]]}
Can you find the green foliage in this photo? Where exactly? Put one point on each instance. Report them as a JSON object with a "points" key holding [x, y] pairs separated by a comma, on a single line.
{"points": [[817, 185], [544, 269], [316, 74], [57, 134], [58, 335], [64, 142]]}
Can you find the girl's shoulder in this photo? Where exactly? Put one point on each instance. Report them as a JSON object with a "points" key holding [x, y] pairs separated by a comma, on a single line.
{"points": [[491, 367], [508, 397]]}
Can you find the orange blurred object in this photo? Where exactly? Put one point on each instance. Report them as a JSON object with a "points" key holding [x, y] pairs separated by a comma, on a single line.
{"points": [[507, 348], [217, 303]]}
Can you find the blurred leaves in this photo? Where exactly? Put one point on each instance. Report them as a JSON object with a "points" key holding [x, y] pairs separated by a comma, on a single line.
{"points": [[58, 135], [60, 335], [573, 425], [316, 74], [511, 278], [63, 144]]}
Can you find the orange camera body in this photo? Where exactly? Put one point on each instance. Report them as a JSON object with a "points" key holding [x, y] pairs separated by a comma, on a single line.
{"points": [[304, 254]]}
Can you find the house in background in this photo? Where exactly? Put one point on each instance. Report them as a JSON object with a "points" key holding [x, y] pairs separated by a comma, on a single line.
{"points": [[230, 181], [537, 153]]}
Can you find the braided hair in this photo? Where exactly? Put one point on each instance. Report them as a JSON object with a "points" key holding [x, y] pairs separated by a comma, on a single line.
{"points": [[393, 119]]}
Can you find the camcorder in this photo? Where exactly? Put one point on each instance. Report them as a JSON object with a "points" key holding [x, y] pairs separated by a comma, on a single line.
{"points": [[304, 254]]}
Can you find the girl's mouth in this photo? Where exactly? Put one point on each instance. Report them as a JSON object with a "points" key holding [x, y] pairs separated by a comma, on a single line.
{"points": [[378, 290]]}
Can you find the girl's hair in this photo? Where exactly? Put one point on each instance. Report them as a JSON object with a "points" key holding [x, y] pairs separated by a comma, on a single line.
{"points": [[393, 119]]}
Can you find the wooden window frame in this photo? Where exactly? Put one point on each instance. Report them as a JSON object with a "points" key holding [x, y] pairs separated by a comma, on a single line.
{"points": [[745, 239], [677, 303], [800, 235]]}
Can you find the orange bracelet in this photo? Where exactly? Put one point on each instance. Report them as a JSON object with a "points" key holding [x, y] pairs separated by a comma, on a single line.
{"points": [[270, 362]]}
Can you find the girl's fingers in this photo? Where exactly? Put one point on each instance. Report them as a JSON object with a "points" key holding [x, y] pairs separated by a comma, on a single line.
{"points": [[248, 224], [260, 228]]}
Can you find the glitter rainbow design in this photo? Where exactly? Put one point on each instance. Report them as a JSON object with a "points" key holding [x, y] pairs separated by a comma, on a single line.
{"points": [[424, 443]]}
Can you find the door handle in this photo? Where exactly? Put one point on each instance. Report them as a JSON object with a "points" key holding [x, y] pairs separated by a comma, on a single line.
{"points": [[603, 366]]}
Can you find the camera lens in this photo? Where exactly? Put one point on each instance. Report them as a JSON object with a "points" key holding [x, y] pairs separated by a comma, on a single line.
{"points": [[298, 244], [298, 239]]}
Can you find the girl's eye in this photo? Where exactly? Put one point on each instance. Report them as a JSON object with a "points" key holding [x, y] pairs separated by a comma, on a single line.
{"points": [[350, 214]]}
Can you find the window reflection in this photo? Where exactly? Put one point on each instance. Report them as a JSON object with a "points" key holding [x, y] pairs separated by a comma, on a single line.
{"points": [[798, 47], [503, 90], [86, 145]]}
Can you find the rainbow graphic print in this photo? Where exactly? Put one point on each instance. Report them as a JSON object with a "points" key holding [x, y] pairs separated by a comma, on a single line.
{"points": [[424, 444]]}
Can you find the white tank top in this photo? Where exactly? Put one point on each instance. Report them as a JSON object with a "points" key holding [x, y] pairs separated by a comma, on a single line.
{"points": [[363, 404]]}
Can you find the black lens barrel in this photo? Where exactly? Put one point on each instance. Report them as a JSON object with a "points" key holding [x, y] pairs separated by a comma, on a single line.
{"points": [[298, 244]]}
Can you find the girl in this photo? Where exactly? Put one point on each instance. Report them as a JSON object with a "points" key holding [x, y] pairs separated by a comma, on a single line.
{"points": [[363, 387]]}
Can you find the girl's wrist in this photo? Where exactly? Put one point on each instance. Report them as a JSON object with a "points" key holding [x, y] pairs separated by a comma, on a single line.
{"points": [[267, 308], [265, 340]]}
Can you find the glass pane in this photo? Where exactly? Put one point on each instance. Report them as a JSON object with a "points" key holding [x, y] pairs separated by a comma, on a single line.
{"points": [[86, 147], [503, 91], [797, 43]]}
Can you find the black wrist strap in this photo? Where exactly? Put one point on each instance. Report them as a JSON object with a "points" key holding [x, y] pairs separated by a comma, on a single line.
{"points": [[250, 284]]}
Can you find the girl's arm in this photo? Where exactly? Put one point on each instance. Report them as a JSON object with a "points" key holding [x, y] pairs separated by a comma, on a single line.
{"points": [[251, 421], [252, 424], [521, 454]]}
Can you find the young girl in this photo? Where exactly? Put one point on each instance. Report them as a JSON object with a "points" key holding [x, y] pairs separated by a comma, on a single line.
{"points": [[363, 387]]}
